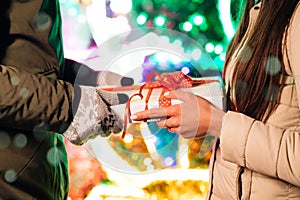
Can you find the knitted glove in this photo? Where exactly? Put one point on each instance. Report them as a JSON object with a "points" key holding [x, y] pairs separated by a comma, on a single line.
{"points": [[93, 115]]}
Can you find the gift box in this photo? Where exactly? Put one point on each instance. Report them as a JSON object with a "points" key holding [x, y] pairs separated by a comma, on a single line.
{"points": [[150, 94]]}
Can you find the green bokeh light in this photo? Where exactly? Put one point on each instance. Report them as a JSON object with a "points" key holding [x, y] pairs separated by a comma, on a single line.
{"points": [[160, 20], [207, 22], [142, 18], [187, 26]]}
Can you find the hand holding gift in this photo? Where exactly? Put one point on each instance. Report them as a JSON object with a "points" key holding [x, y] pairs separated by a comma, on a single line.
{"points": [[145, 98], [193, 117], [93, 115]]}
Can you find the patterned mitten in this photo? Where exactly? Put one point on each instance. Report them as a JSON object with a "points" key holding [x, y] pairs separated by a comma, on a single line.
{"points": [[93, 115]]}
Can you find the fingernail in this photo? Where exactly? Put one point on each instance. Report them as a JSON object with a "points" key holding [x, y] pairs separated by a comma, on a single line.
{"points": [[126, 81], [166, 93], [133, 117]]}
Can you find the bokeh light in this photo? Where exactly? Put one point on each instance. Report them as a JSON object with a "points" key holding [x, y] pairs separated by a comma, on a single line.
{"points": [[4, 139], [160, 20]]}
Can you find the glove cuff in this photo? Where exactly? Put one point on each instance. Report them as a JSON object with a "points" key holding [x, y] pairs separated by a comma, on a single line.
{"points": [[85, 117]]}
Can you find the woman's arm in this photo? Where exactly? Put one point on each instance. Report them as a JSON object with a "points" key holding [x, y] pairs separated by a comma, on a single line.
{"points": [[260, 147]]}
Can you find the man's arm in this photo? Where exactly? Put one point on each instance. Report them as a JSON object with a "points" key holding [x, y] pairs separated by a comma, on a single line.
{"points": [[29, 101]]}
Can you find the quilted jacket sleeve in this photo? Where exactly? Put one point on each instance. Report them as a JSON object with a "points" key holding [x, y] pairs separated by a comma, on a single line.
{"points": [[30, 101], [261, 147]]}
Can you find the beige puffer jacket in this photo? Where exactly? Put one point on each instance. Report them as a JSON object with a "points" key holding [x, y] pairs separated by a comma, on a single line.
{"points": [[259, 161]]}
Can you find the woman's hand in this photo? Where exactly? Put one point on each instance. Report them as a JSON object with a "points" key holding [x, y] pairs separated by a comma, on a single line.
{"points": [[194, 117]]}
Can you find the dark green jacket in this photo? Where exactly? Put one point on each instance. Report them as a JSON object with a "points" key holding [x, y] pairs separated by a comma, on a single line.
{"points": [[34, 103]]}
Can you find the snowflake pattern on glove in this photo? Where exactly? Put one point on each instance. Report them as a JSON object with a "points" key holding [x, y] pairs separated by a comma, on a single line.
{"points": [[94, 116]]}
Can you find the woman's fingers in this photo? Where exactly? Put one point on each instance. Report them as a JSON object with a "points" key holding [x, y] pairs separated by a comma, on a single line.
{"points": [[154, 113], [173, 129], [157, 113]]}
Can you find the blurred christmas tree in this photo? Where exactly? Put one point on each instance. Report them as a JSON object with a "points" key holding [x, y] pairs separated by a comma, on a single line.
{"points": [[202, 20]]}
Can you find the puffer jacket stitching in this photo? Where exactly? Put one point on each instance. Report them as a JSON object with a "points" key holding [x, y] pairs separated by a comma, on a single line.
{"points": [[246, 142], [215, 147], [277, 161]]}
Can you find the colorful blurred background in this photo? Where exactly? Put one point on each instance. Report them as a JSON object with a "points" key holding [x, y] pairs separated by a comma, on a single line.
{"points": [[182, 165]]}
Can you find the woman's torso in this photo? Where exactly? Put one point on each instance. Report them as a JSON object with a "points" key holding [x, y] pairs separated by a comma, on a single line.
{"points": [[229, 181]]}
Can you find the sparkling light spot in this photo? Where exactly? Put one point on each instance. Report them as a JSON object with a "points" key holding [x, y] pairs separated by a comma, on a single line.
{"points": [[187, 26], [128, 138], [209, 47], [204, 27], [135, 156], [24, 93], [196, 54], [168, 161], [245, 54], [141, 19], [52, 156], [242, 86], [222, 56], [4, 140], [160, 20], [10, 175], [185, 70], [218, 49], [202, 188], [273, 65], [42, 21], [178, 43], [20, 140], [198, 20], [147, 161], [15, 80]]}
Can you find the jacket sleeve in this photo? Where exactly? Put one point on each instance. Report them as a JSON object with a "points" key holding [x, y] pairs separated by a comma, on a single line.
{"points": [[31, 102], [261, 147]]}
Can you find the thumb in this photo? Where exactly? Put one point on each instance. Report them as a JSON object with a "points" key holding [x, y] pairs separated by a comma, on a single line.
{"points": [[113, 98]]}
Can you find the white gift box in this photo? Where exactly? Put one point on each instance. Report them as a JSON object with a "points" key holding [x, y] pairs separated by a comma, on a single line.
{"points": [[211, 89]]}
